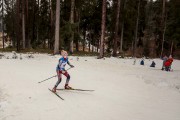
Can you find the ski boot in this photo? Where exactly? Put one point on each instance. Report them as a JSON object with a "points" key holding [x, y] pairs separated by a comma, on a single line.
{"points": [[67, 86], [54, 89]]}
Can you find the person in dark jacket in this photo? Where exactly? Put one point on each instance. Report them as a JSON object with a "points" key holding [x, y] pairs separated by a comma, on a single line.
{"points": [[142, 62], [165, 58], [153, 64]]}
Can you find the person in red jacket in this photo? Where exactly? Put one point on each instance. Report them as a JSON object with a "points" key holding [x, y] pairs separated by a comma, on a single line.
{"points": [[165, 58], [168, 63]]}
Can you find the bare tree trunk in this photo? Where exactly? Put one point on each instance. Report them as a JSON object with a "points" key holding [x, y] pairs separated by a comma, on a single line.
{"points": [[72, 22], [89, 46], [171, 48], [163, 11], [116, 29], [102, 28], [56, 45], [3, 22], [28, 41], [122, 35], [84, 40], [92, 43], [33, 23], [136, 32], [52, 27], [163, 22], [77, 46], [92, 47], [38, 22], [17, 27], [122, 29], [162, 47], [23, 25], [13, 36], [49, 34], [78, 19], [132, 47], [97, 46], [27, 4]]}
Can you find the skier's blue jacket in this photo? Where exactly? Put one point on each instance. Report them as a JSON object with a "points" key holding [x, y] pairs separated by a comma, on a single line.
{"points": [[62, 63]]}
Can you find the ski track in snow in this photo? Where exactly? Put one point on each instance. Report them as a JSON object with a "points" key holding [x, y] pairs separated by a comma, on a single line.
{"points": [[122, 90]]}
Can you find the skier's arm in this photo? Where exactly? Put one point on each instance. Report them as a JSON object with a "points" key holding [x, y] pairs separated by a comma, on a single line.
{"points": [[69, 64]]}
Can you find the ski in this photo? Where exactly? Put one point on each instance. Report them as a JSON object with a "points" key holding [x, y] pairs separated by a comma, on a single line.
{"points": [[76, 89], [56, 94]]}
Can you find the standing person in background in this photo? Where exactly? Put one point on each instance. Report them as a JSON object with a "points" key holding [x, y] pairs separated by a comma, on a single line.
{"points": [[60, 69], [134, 61], [165, 58], [168, 63], [171, 60]]}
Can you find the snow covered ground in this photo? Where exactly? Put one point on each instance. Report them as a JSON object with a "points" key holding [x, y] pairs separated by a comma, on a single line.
{"points": [[123, 91]]}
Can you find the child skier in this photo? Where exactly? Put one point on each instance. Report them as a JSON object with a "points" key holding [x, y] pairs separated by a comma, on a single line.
{"points": [[60, 69]]}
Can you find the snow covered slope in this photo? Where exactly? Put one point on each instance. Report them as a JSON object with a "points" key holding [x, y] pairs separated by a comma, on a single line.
{"points": [[123, 91]]}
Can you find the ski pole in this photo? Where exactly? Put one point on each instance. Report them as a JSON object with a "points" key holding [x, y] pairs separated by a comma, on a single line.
{"points": [[51, 77], [47, 79], [68, 68]]}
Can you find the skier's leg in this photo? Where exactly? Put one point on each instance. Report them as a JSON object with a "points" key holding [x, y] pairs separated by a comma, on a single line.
{"points": [[58, 82], [170, 68], [167, 68], [67, 80], [163, 67]]}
